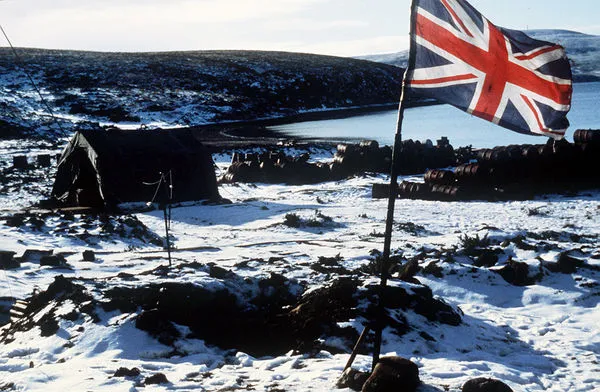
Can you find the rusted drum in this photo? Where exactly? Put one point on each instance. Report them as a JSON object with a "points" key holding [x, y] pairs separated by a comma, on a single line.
{"points": [[587, 136], [439, 176]]}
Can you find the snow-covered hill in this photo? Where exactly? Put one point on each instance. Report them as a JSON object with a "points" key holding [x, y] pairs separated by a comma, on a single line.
{"points": [[583, 51], [174, 89]]}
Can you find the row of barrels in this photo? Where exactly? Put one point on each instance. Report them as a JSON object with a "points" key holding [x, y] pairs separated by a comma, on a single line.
{"points": [[276, 167], [525, 164], [584, 136], [425, 191], [513, 172], [414, 158], [366, 156], [349, 159]]}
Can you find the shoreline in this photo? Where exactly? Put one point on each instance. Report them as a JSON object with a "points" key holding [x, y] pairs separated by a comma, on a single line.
{"points": [[257, 132]]}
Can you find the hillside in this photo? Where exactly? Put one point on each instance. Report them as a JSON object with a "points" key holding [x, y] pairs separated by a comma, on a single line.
{"points": [[269, 293], [582, 49], [173, 89]]}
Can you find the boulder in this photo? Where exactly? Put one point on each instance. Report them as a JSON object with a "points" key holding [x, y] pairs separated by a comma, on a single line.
{"points": [[44, 160], [483, 384], [158, 378], [7, 260], [20, 162], [158, 326], [353, 379], [89, 255], [35, 255], [487, 258], [566, 264], [53, 261], [516, 273], [393, 374], [125, 372]]}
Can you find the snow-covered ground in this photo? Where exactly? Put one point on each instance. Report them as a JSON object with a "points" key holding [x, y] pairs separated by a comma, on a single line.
{"points": [[541, 337]]}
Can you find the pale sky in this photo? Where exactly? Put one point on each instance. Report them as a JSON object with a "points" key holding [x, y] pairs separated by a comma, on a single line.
{"points": [[336, 27]]}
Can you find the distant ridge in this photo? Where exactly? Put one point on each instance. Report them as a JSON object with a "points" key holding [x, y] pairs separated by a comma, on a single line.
{"points": [[583, 51], [178, 89]]}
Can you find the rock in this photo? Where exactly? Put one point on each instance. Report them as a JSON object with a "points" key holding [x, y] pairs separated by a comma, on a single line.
{"points": [[35, 255], [434, 269], [516, 273], [320, 310], [157, 325], [409, 270], [7, 260], [218, 272], [393, 374], [20, 162], [124, 372], [44, 160], [53, 261], [353, 379], [487, 258], [421, 300], [434, 309], [157, 378], [89, 255], [568, 264], [483, 384]]}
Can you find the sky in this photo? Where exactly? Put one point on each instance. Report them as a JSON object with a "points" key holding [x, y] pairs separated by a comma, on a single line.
{"points": [[334, 27]]}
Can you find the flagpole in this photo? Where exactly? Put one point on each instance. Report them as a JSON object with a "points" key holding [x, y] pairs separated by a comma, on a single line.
{"points": [[387, 241]]}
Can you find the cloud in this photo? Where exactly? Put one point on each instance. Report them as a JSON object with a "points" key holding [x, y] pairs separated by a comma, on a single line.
{"points": [[305, 24], [160, 12], [143, 24], [155, 25]]}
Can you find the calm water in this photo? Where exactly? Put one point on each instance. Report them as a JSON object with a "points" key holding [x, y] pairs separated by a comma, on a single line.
{"points": [[432, 122]]}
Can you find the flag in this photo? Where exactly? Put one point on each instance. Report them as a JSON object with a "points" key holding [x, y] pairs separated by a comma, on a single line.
{"points": [[503, 76]]}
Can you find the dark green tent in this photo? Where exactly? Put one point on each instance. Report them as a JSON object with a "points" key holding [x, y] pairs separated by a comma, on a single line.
{"points": [[102, 168]]}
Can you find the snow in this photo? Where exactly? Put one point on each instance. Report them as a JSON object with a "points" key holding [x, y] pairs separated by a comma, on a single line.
{"points": [[541, 337], [177, 89]]}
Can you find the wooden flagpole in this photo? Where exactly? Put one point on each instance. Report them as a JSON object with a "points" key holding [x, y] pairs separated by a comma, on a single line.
{"points": [[397, 149]]}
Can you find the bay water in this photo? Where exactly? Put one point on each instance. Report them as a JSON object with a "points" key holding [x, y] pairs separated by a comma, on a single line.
{"points": [[433, 122]]}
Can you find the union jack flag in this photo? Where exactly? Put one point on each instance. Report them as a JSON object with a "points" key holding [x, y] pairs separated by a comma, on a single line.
{"points": [[503, 76]]}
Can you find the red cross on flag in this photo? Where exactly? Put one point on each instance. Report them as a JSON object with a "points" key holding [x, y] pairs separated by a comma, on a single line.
{"points": [[503, 76]]}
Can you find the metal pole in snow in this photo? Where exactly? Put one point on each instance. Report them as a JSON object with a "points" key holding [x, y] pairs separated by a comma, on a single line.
{"points": [[167, 234], [169, 191], [387, 241]]}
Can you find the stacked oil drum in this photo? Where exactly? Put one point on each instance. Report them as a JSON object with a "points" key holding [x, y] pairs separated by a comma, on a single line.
{"points": [[366, 156], [275, 167], [587, 142], [415, 157], [515, 172], [349, 159]]}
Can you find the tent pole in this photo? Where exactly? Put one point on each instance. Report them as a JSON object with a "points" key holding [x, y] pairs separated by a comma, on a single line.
{"points": [[169, 197], [167, 234]]}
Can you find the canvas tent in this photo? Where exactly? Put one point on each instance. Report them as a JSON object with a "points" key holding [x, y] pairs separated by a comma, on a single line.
{"points": [[101, 168]]}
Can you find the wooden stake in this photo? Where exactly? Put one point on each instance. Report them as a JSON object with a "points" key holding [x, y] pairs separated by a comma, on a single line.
{"points": [[356, 347]]}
